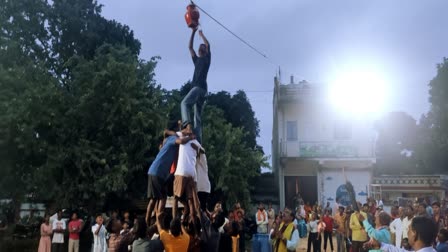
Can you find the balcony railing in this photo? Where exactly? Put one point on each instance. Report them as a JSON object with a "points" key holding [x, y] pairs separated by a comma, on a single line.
{"points": [[327, 149]]}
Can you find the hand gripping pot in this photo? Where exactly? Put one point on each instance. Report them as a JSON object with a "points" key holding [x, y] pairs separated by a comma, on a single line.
{"points": [[192, 16]]}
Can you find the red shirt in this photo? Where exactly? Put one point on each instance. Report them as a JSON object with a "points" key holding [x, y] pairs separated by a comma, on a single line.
{"points": [[74, 224], [328, 223]]}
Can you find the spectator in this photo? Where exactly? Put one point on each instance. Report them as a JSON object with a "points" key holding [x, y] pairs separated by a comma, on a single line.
{"points": [[193, 231], [438, 216], [382, 222], [421, 234], [429, 210], [109, 221], [234, 234], [320, 229], [237, 207], [261, 219], [328, 208], [177, 240], [443, 238], [396, 227], [359, 235], [271, 216], [421, 210], [286, 237], [125, 237], [312, 236], [241, 225], [370, 216], [211, 236], [124, 228], [74, 227], [58, 233], [409, 213], [99, 235], [328, 231], [45, 233], [127, 218], [115, 237], [142, 242], [339, 222], [225, 241], [348, 231]]}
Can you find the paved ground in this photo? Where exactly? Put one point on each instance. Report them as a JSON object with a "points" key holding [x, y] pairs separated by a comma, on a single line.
{"points": [[304, 242]]}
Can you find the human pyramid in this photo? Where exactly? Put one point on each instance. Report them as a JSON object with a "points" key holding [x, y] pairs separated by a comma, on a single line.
{"points": [[181, 164]]}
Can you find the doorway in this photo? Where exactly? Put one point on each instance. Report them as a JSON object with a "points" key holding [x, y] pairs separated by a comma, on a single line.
{"points": [[306, 186]]}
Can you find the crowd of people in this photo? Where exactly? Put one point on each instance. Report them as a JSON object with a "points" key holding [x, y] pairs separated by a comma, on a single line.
{"points": [[366, 227], [413, 226]]}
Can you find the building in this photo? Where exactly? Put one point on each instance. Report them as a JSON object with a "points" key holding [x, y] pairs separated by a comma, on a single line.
{"points": [[315, 149], [402, 188]]}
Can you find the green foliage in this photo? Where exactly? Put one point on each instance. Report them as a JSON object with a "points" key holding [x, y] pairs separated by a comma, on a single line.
{"points": [[232, 165], [80, 111], [396, 144], [238, 111], [111, 122], [434, 125]]}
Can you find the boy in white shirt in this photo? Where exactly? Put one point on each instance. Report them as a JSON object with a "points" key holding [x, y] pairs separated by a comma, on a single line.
{"points": [[99, 235], [58, 227]]}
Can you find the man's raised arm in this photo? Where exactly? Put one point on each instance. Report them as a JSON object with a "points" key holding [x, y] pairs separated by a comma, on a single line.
{"points": [[190, 45], [205, 41]]}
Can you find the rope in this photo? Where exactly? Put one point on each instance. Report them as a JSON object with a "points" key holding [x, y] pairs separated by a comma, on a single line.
{"points": [[227, 29]]}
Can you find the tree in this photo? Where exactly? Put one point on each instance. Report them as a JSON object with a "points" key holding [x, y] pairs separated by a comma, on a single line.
{"points": [[80, 111], [232, 165], [238, 111], [434, 125], [111, 122], [396, 143]]}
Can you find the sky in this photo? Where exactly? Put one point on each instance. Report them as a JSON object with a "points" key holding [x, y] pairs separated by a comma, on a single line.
{"points": [[313, 40]]}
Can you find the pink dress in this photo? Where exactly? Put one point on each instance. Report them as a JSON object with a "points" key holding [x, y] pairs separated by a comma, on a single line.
{"points": [[45, 241]]}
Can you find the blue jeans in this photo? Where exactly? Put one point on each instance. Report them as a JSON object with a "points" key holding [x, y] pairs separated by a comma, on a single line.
{"points": [[195, 98]]}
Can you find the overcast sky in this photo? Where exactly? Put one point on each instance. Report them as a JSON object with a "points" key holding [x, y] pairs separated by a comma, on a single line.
{"points": [[311, 39]]}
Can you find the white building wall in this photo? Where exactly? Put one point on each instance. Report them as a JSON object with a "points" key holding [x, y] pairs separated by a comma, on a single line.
{"points": [[316, 126]]}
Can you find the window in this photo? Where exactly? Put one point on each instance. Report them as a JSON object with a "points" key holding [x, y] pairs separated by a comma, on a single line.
{"points": [[342, 131], [291, 130]]}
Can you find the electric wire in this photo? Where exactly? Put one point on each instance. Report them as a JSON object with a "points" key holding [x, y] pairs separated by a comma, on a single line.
{"points": [[235, 35]]}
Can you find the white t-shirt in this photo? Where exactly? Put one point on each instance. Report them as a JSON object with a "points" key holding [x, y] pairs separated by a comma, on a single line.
{"points": [[58, 237], [186, 163], [202, 180], [99, 240]]}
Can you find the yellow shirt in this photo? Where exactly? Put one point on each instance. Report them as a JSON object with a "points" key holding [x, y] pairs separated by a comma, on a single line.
{"points": [[358, 232], [174, 244], [281, 246]]}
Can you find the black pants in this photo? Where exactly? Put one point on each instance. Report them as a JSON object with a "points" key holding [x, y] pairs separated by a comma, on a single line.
{"points": [[328, 235], [318, 243], [348, 244], [312, 240], [57, 247], [357, 246], [203, 197]]}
